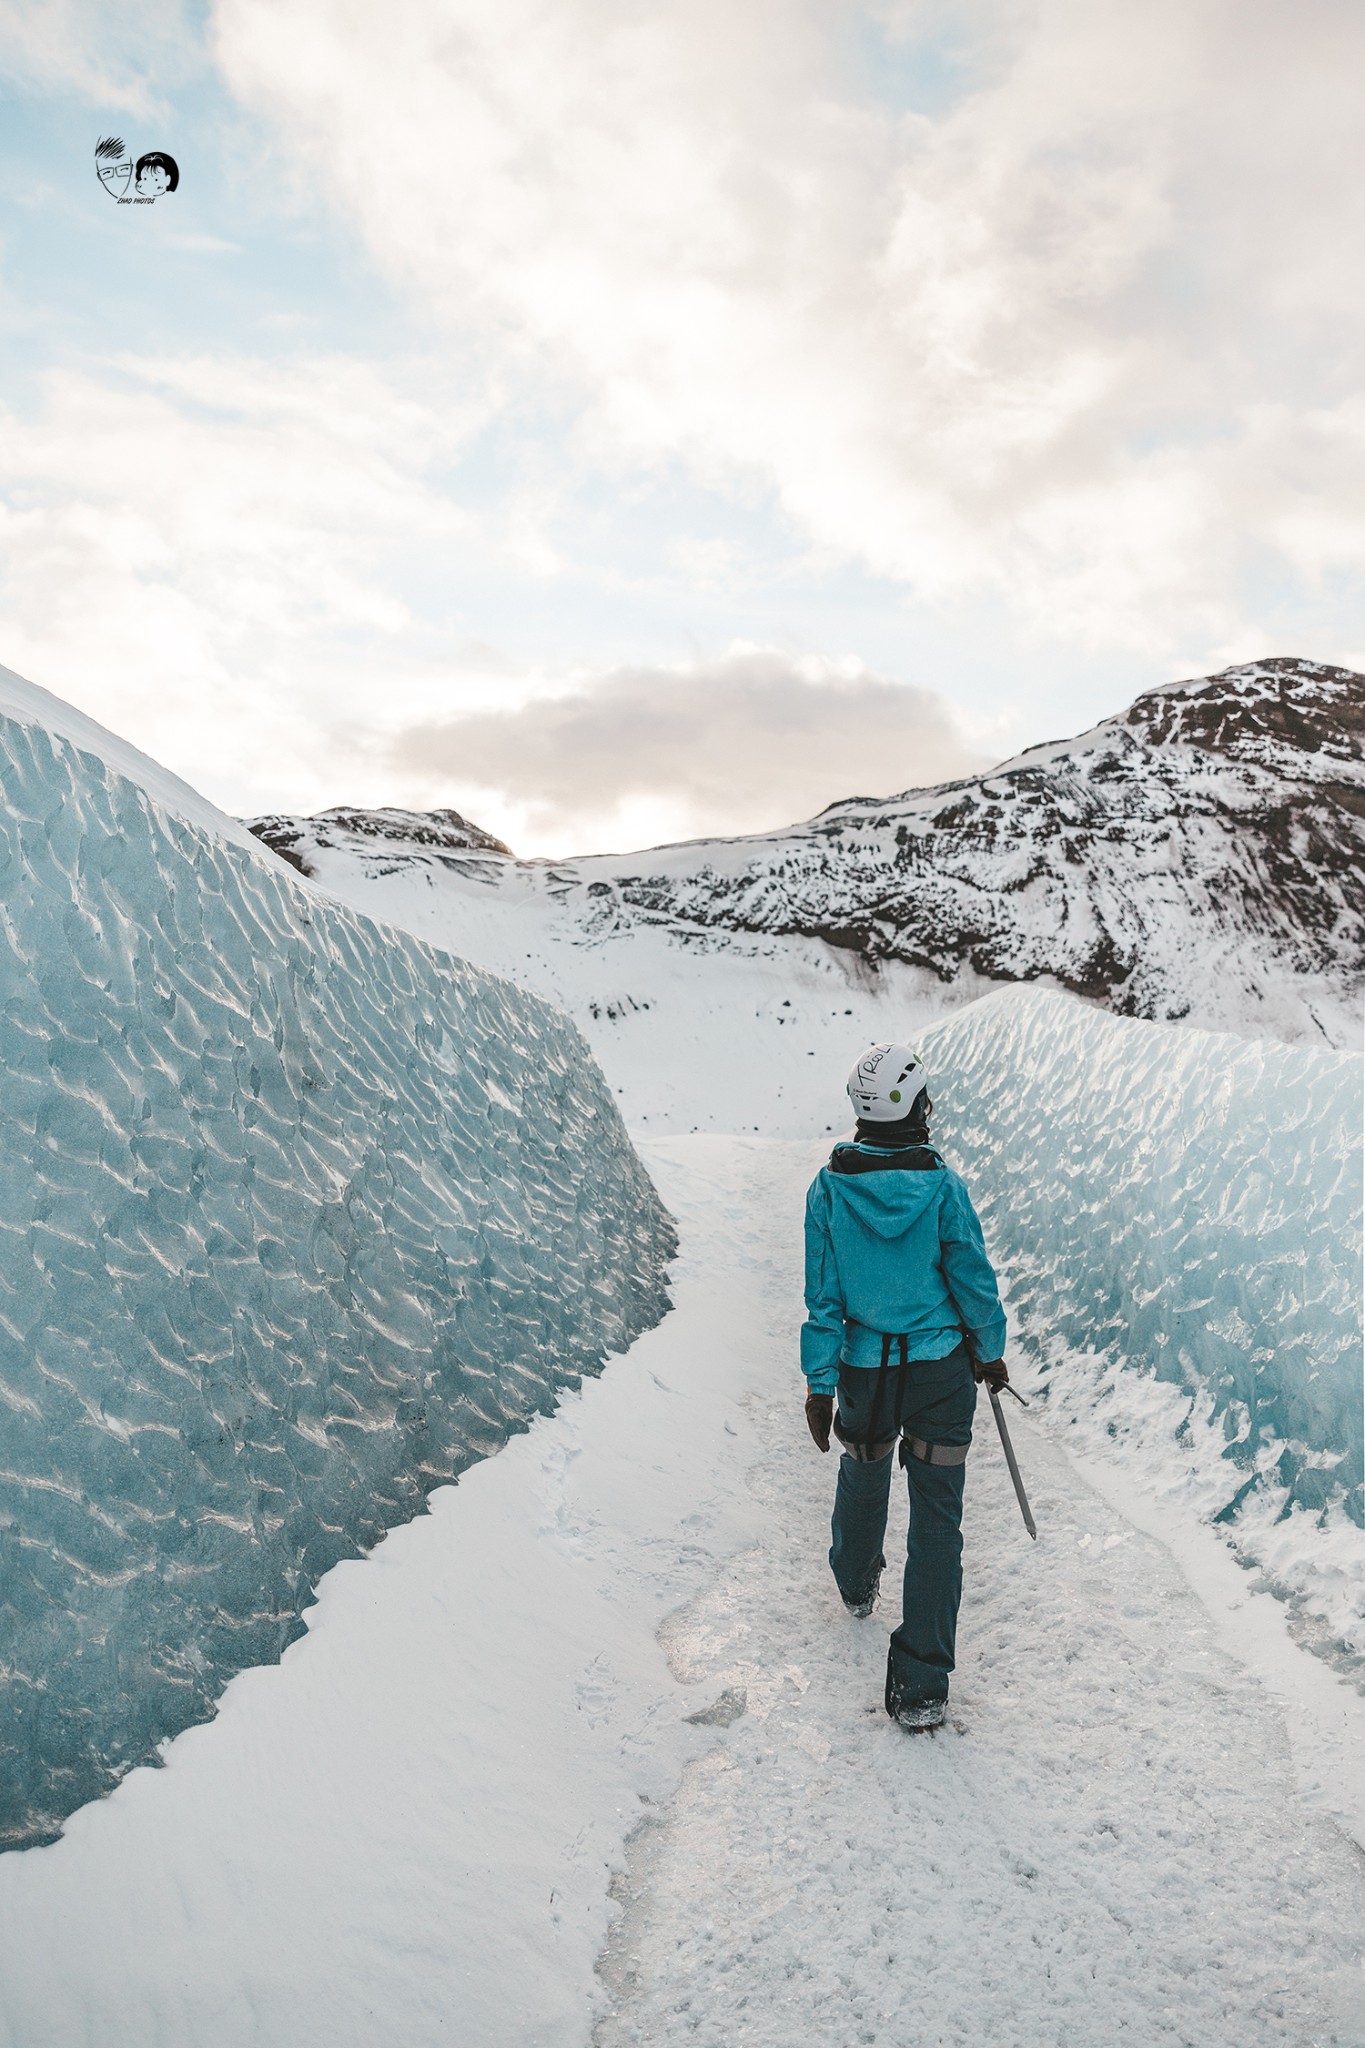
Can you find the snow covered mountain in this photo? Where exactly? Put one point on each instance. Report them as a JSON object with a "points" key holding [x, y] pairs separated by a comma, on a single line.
{"points": [[1200, 857], [440, 831]]}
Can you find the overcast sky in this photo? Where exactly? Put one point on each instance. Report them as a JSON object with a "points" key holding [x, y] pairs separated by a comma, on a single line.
{"points": [[626, 421]]}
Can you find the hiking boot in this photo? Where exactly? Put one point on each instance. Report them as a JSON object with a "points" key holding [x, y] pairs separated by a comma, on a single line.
{"points": [[921, 1717], [864, 1603]]}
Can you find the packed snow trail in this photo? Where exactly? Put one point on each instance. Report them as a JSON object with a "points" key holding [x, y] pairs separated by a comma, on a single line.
{"points": [[1105, 1845], [407, 1831]]}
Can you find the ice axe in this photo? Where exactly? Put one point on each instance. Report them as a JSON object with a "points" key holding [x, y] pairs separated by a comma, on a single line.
{"points": [[1010, 1460]]}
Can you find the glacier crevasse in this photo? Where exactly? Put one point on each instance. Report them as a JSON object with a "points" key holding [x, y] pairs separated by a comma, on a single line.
{"points": [[298, 1218]]}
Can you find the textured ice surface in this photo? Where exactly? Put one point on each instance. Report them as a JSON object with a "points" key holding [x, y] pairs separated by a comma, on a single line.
{"points": [[298, 1218], [1179, 1215]]}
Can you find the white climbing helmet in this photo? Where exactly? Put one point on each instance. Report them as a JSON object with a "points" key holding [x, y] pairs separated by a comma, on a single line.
{"points": [[885, 1082]]}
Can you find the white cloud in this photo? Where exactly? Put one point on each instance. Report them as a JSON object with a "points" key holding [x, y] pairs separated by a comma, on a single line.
{"points": [[210, 556], [125, 57], [1072, 359], [745, 741], [1075, 338]]}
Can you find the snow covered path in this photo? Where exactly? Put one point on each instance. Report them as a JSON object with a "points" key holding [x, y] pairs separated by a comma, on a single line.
{"points": [[406, 1832], [1108, 1846]]}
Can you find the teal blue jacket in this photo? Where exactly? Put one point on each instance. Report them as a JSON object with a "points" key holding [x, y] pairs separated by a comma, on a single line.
{"points": [[894, 1251]]}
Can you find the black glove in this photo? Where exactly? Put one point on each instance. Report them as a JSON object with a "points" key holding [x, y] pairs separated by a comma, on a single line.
{"points": [[819, 1417], [996, 1374]]}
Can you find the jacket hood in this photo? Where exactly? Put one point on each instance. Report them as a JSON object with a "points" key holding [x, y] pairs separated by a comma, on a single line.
{"points": [[887, 1204]]}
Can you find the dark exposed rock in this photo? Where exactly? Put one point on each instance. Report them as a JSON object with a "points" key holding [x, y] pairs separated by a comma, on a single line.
{"points": [[282, 836]]}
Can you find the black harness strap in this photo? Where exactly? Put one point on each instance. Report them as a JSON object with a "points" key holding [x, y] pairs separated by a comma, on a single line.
{"points": [[867, 1449], [901, 1377], [870, 1440]]}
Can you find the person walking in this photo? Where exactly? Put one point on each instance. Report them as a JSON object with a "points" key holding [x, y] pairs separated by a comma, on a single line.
{"points": [[903, 1321]]}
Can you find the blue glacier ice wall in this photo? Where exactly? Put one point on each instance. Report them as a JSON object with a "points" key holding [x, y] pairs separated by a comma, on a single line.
{"points": [[1183, 1206], [298, 1218]]}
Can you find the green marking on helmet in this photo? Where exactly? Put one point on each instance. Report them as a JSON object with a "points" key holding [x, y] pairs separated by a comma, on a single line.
{"points": [[895, 1094]]}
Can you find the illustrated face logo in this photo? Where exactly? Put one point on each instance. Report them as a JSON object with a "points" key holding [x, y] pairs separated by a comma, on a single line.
{"points": [[113, 165], [134, 181]]}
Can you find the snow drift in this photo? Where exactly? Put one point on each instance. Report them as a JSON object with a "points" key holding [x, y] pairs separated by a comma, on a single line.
{"points": [[298, 1218], [1179, 1217]]}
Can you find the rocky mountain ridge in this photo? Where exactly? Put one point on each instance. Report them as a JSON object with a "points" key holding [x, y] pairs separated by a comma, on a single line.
{"points": [[435, 831], [1199, 856]]}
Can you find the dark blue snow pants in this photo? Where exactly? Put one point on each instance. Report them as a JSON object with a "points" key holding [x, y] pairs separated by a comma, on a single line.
{"points": [[937, 1400]]}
